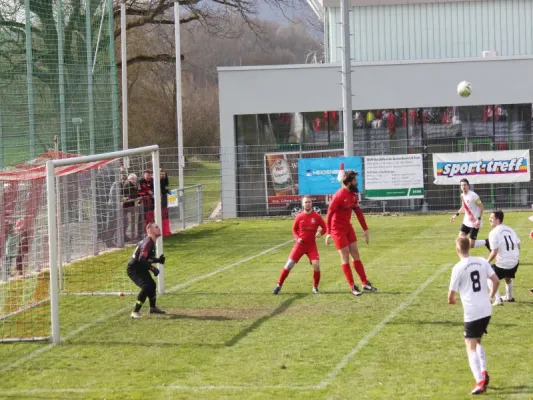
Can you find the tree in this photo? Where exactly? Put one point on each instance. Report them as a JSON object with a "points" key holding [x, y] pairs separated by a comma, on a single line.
{"points": [[212, 14]]}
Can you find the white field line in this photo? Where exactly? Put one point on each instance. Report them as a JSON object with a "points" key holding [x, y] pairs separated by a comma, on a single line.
{"points": [[153, 389], [362, 343], [82, 328]]}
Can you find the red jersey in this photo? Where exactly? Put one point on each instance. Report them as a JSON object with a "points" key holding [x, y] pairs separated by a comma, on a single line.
{"points": [[306, 225], [340, 211]]}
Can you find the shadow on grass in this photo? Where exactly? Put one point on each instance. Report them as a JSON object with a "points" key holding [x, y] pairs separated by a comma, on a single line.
{"points": [[520, 389], [257, 323], [443, 323]]}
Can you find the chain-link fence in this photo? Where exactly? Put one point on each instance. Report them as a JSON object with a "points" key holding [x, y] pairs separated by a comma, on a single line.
{"points": [[57, 78]]}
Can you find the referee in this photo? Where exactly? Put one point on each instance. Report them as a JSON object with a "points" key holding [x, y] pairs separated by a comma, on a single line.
{"points": [[139, 268]]}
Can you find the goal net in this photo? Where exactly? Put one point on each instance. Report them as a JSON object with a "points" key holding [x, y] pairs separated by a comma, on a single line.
{"points": [[99, 205]]}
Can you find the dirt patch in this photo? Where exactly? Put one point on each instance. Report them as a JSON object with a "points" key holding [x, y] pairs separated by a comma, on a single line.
{"points": [[220, 313]]}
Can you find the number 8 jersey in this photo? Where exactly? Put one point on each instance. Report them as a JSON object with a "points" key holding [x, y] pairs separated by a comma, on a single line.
{"points": [[506, 241], [469, 279]]}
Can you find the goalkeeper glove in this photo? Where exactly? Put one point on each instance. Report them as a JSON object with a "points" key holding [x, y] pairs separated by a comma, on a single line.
{"points": [[155, 270], [161, 259]]}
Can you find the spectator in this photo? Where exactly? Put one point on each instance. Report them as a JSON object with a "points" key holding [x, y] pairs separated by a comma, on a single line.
{"points": [[114, 205], [131, 202], [164, 183], [146, 192]]}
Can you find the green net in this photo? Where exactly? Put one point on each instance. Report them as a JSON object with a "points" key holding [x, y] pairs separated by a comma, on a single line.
{"points": [[57, 78]]}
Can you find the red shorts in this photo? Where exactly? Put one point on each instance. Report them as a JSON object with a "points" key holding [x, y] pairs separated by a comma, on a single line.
{"points": [[343, 239], [299, 250]]}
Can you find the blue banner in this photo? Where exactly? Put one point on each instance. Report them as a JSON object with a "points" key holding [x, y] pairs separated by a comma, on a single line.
{"points": [[319, 175]]}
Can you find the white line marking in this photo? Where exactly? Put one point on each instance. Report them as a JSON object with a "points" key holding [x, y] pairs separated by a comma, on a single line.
{"points": [[35, 353], [154, 388], [346, 359]]}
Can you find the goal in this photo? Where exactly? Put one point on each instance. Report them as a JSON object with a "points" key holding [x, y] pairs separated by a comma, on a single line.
{"points": [[60, 211]]}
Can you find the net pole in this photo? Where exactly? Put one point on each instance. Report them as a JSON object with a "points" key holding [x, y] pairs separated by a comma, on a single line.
{"points": [[158, 219], [347, 121], [61, 77], [124, 78], [114, 84], [52, 250], [29, 78], [89, 46]]}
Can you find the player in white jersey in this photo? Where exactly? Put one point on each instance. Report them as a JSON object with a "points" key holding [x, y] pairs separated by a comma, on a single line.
{"points": [[469, 279], [472, 207], [505, 248]]}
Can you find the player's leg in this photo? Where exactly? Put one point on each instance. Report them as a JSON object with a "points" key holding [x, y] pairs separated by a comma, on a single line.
{"points": [[296, 253], [482, 363], [473, 239], [342, 244], [139, 279], [475, 364], [314, 259], [151, 289], [509, 284], [473, 333], [358, 265]]}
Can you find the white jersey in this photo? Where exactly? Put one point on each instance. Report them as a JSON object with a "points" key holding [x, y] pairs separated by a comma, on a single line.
{"points": [[471, 199], [506, 241], [469, 279]]}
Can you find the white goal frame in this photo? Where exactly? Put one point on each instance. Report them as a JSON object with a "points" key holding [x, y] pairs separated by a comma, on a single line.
{"points": [[52, 220]]}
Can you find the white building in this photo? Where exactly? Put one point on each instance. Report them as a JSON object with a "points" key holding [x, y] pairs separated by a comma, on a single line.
{"points": [[408, 58]]}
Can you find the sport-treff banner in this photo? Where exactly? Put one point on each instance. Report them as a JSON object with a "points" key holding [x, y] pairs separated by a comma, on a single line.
{"points": [[319, 175], [482, 167]]}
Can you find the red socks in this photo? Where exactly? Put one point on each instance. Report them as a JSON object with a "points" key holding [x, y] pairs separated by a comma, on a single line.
{"points": [[316, 278], [284, 274], [358, 266], [348, 274]]}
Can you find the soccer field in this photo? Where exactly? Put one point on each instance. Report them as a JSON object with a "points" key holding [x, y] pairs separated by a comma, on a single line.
{"points": [[226, 336]]}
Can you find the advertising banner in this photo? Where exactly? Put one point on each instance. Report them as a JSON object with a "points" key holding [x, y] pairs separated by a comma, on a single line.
{"points": [[318, 176], [394, 177], [482, 167], [281, 176]]}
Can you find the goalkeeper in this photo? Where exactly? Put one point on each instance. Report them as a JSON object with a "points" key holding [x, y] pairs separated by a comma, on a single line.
{"points": [[139, 268]]}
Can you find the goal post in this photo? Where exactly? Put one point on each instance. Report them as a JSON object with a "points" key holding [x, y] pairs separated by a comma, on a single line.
{"points": [[56, 167]]}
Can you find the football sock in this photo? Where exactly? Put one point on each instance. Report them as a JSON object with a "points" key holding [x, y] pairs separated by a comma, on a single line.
{"points": [[316, 278], [358, 266], [482, 359], [509, 290], [348, 274], [475, 366], [284, 274], [479, 243], [138, 305]]}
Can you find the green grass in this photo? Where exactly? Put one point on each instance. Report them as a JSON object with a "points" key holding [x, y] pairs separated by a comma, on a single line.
{"points": [[206, 173], [227, 337]]}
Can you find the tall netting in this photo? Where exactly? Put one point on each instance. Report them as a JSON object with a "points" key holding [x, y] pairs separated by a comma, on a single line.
{"points": [[57, 78], [102, 207]]}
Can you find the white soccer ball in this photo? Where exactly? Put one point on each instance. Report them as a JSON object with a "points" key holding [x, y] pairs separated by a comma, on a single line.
{"points": [[464, 89]]}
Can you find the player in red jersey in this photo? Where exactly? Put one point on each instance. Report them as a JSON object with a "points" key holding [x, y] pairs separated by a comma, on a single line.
{"points": [[305, 230], [340, 228]]}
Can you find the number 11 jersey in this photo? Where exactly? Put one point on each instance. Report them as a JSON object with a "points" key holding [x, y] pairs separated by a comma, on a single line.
{"points": [[506, 241], [469, 279]]}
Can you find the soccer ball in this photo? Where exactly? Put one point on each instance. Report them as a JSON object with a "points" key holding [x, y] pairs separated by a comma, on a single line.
{"points": [[464, 89]]}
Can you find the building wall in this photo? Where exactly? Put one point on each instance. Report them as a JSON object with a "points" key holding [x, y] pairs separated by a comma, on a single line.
{"points": [[434, 31], [386, 85]]}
